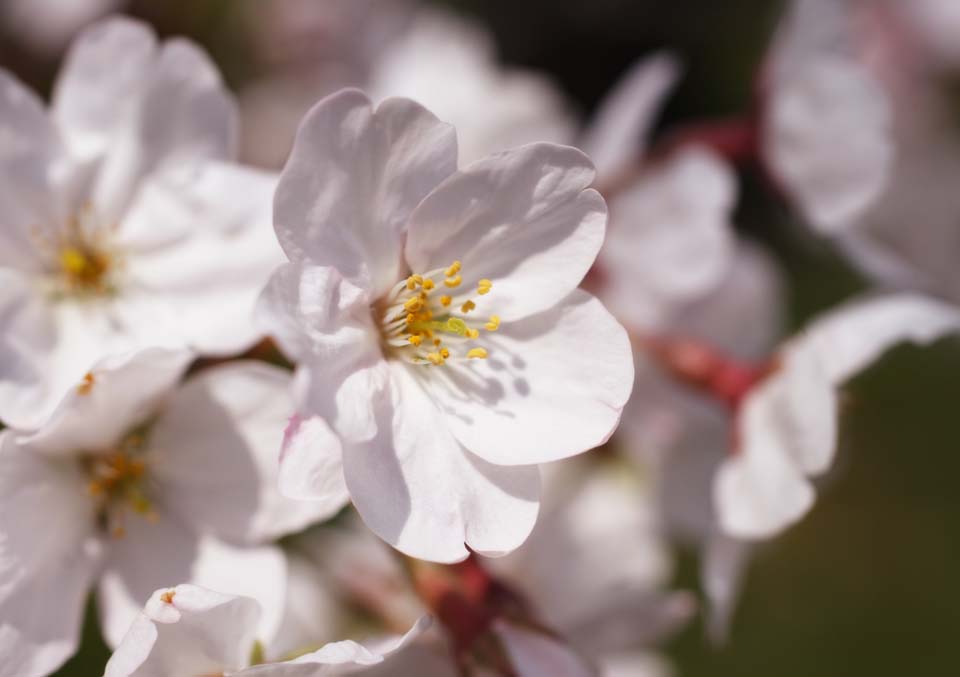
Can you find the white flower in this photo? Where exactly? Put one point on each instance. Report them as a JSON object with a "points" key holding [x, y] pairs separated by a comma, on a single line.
{"points": [[124, 224], [444, 348], [787, 423], [136, 483], [827, 125], [188, 630]]}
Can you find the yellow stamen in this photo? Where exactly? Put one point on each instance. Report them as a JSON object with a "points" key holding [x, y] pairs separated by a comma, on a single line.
{"points": [[413, 304], [86, 385], [473, 333], [445, 301], [454, 281], [428, 284], [435, 358], [453, 269], [493, 324], [444, 353], [416, 339], [484, 286], [468, 306], [413, 281], [477, 353], [167, 597]]}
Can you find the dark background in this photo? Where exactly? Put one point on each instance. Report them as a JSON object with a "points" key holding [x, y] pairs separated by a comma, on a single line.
{"points": [[868, 583]]}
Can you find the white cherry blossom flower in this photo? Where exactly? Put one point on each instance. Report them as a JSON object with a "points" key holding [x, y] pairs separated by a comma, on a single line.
{"points": [[827, 130], [189, 630], [444, 349], [787, 423], [134, 482], [124, 223]]}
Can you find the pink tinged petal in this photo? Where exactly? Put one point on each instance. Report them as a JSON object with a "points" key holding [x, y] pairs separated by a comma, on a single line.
{"points": [[554, 385], [218, 454], [524, 219], [848, 339], [118, 394], [311, 468], [828, 138], [419, 490], [313, 312], [353, 178], [47, 560], [722, 571], [671, 239], [30, 149], [616, 136], [187, 630], [533, 653], [154, 554]]}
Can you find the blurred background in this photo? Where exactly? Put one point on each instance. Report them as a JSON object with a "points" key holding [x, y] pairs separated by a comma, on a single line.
{"points": [[868, 583]]}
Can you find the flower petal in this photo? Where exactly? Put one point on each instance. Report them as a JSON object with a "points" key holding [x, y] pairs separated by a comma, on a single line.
{"points": [[187, 630], [616, 136], [153, 554], [46, 562], [120, 393], [524, 219], [828, 137], [533, 653], [311, 467], [671, 238], [28, 195], [353, 178], [553, 386], [218, 454], [420, 491]]}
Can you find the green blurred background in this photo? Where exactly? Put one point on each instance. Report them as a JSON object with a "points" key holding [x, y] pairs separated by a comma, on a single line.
{"points": [[867, 584]]}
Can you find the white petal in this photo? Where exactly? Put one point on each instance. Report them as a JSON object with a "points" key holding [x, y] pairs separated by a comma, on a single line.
{"points": [[856, 334], [553, 386], [46, 562], [616, 136], [524, 219], [187, 630], [671, 238], [352, 180], [312, 464], [28, 195], [124, 392], [339, 658], [196, 260], [419, 490], [311, 610], [722, 571], [218, 454], [449, 65], [828, 138], [313, 312], [153, 555], [533, 654]]}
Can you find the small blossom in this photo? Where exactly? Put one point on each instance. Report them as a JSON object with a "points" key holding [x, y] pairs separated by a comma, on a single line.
{"points": [[438, 408], [189, 630], [125, 225], [136, 481]]}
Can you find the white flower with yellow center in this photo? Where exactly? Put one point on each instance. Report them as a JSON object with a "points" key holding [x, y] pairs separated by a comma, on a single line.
{"points": [[122, 222], [443, 346], [134, 483]]}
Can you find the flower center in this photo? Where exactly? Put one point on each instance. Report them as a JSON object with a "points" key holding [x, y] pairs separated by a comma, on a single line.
{"points": [[117, 483], [80, 260], [429, 323]]}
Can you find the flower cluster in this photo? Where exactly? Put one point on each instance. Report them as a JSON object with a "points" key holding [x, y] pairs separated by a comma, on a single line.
{"points": [[253, 410]]}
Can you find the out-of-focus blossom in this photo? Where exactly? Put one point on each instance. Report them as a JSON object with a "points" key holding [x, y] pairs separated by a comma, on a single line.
{"points": [[435, 316], [594, 571], [48, 25], [787, 422], [827, 134], [937, 26], [444, 62], [125, 225], [136, 482], [189, 630]]}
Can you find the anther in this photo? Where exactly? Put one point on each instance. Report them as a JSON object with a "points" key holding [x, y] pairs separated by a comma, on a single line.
{"points": [[467, 306], [416, 339], [167, 597], [477, 353], [435, 358], [493, 324], [453, 281], [445, 301], [428, 284], [413, 304], [86, 385], [453, 269], [484, 286], [413, 281]]}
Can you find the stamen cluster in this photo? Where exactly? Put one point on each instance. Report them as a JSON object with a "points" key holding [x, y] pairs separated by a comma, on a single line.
{"points": [[422, 322], [117, 483]]}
